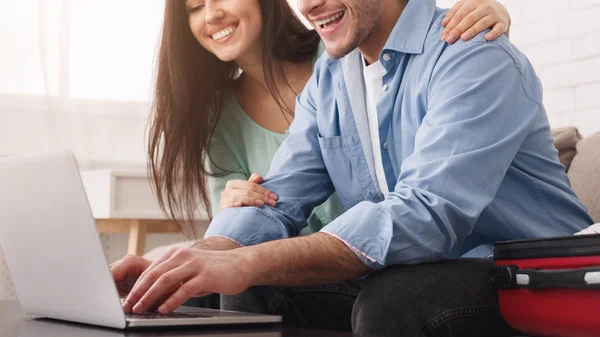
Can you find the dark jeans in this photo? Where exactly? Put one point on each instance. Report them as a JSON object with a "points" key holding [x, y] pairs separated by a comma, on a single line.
{"points": [[449, 298]]}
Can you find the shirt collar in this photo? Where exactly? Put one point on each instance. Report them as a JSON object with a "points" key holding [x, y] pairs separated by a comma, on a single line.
{"points": [[410, 32]]}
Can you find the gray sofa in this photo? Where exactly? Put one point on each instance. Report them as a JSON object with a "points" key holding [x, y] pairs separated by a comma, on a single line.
{"points": [[580, 156]]}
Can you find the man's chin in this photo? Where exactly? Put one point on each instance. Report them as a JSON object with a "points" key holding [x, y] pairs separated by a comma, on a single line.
{"points": [[337, 52], [343, 46]]}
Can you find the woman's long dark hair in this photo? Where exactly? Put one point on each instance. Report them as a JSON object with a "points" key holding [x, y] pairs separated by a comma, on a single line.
{"points": [[191, 84]]}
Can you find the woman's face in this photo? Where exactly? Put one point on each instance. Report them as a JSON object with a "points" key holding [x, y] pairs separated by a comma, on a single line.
{"points": [[226, 28]]}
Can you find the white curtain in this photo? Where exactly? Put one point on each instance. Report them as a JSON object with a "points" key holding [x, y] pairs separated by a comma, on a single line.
{"points": [[77, 74]]}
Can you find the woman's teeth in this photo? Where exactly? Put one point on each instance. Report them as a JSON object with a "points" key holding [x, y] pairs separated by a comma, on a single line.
{"points": [[225, 32], [322, 23]]}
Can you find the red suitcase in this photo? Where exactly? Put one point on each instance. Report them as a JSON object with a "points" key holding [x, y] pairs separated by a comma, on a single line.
{"points": [[550, 287]]}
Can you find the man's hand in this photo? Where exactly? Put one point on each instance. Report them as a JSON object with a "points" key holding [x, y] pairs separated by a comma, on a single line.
{"points": [[184, 273], [126, 272]]}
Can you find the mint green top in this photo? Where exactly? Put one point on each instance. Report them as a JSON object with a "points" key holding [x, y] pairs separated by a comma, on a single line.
{"points": [[243, 147]]}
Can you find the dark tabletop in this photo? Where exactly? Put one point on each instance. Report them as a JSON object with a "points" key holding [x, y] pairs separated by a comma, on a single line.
{"points": [[13, 323]]}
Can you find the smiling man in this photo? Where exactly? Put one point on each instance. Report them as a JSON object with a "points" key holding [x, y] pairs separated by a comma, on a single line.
{"points": [[437, 152]]}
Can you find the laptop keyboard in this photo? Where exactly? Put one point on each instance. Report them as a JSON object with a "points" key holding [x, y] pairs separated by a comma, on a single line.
{"points": [[156, 315]]}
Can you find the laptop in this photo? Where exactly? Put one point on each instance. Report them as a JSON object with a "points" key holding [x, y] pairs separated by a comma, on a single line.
{"points": [[55, 256], [52, 328]]}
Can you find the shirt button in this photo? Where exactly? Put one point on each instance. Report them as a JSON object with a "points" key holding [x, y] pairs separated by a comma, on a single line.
{"points": [[386, 57], [384, 88], [385, 145]]}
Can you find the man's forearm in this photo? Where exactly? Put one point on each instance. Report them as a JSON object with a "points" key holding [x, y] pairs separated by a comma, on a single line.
{"points": [[216, 243], [315, 259]]}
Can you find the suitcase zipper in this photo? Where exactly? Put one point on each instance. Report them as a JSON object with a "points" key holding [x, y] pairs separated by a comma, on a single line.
{"points": [[511, 277]]}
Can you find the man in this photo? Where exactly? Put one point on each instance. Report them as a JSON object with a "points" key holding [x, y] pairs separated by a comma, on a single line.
{"points": [[437, 151]]}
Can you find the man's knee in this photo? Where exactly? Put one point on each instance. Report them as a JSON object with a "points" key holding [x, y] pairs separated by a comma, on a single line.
{"points": [[386, 304], [404, 299]]}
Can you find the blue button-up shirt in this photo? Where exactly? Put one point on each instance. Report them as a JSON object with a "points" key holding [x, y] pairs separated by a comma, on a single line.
{"points": [[465, 142]]}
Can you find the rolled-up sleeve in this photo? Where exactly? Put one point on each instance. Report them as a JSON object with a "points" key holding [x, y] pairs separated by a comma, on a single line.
{"points": [[480, 110], [298, 176]]}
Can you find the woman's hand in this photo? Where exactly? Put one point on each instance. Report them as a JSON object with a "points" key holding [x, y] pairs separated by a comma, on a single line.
{"points": [[470, 17], [240, 193]]}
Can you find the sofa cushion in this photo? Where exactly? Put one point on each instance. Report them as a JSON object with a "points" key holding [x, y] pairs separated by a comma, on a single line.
{"points": [[565, 141], [585, 174]]}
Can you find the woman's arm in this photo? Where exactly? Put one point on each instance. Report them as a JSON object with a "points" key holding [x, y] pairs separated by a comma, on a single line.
{"points": [[470, 17]]}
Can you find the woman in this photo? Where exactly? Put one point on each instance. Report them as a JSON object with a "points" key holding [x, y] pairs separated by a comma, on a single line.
{"points": [[228, 75]]}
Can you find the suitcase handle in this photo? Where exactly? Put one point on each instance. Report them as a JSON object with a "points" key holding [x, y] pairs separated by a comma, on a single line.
{"points": [[511, 277]]}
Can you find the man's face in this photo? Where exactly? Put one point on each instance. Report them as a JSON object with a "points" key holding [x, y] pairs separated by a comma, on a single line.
{"points": [[342, 24]]}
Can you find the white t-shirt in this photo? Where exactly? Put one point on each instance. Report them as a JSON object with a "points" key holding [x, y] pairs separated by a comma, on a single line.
{"points": [[593, 229], [373, 75]]}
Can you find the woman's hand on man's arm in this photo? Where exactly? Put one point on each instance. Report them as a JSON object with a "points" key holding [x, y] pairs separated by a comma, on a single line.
{"points": [[470, 17], [240, 193]]}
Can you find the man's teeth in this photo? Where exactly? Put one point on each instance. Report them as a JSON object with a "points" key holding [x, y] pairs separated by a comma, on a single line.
{"points": [[328, 20], [225, 32]]}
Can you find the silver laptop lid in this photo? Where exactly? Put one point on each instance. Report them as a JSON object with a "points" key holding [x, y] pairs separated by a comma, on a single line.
{"points": [[51, 244]]}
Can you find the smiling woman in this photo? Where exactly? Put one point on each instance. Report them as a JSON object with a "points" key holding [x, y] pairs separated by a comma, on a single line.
{"points": [[215, 24], [254, 56]]}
